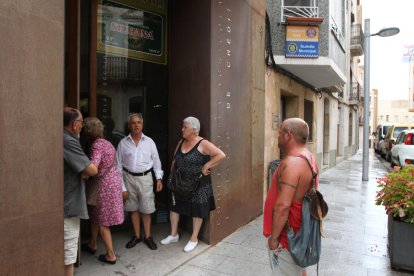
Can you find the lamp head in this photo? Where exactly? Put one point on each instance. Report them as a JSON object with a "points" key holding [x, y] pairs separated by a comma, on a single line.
{"points": [[388, 32]]}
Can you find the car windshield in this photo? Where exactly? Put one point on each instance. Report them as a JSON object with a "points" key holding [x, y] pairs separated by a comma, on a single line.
{"points": [[398, 130], [385, 129], [408, 138]]}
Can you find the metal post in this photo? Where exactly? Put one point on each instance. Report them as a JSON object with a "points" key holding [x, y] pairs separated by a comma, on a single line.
{"points": [[365, 146]]}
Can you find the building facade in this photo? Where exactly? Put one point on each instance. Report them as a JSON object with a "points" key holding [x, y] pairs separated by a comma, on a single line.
{"points": [[312, 72], [395, 112]]}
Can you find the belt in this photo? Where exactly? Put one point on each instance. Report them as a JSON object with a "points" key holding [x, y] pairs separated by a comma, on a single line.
{"points": [[136, 174]]}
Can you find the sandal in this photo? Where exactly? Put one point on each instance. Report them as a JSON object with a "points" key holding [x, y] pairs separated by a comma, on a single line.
{"points": [[85, 247], [103, 259]]}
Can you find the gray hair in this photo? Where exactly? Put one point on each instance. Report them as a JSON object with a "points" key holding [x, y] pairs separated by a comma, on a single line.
{"points": [[132, 115], [93, 128], [193, 122], [70, 115]]}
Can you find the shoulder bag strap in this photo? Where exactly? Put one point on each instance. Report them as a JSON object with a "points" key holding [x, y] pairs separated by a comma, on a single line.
{"points": [[175, 153], [314, 174]]}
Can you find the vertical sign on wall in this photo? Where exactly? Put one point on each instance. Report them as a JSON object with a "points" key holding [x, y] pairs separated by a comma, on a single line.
{"points": [[302, 41], [225, 50]]}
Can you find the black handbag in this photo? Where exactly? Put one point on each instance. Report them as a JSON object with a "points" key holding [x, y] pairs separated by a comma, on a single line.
{"points": [[183, 185]]}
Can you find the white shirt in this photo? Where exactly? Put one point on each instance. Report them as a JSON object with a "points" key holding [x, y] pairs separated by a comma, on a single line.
{"points": [[138, 158]]}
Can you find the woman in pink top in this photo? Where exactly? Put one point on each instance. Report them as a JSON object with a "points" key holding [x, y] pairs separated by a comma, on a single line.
{"points": [[108, 209]]}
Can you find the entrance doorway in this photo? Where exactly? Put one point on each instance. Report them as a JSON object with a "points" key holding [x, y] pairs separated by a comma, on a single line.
{"points": [[110, 82], [109, 74]]}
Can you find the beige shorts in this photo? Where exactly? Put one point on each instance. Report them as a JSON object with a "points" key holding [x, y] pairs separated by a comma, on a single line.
{"points": [[141, 193], [71, 237], [282, 263]]}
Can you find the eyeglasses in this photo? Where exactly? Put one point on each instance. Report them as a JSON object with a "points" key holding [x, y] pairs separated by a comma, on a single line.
{"points": [[81, 121]]}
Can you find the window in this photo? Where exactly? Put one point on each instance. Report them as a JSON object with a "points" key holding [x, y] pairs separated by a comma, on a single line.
{"points": [[397, 131], [299, 8], [400, 138], [385, 130], [309, 117], [306, 3], [338, 21]]}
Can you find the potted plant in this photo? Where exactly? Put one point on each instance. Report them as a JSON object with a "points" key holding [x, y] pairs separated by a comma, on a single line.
{"points": [[397, 195]]}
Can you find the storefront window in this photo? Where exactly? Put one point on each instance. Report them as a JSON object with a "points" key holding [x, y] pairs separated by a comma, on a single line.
{"points": [[120, 91], [129, 38]]}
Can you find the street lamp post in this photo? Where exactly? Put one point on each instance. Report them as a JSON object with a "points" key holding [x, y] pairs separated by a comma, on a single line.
{"points": [[366, 44]]}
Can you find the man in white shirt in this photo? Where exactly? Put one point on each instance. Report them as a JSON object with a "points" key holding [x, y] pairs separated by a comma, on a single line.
{"points": [[137, 155]]}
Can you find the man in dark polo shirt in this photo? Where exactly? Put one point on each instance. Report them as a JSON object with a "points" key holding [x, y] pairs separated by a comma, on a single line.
{"points": [[76, 166]]}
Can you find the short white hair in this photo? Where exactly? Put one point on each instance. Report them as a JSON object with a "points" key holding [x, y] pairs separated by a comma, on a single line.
{"points": [[132, 115], [193, 122]]}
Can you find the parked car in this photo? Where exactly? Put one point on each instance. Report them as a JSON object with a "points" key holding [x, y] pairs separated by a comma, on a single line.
{"points": [[379, 136], [402, 152], [390, 138]]}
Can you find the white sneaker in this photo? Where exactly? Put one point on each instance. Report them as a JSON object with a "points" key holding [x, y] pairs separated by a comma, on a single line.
{"points": [[190, 246], [170, 239]]}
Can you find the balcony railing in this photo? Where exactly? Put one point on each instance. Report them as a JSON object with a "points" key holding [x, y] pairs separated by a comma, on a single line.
{"points": [[299, 11], [357, 40], [119, 69], [337, 33]]}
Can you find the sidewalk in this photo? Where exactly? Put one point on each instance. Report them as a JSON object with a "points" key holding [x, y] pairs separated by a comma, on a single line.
{"points": [[355, 243]]}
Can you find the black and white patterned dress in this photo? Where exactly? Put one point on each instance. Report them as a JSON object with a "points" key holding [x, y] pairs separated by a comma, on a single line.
{"points": [[202, 202]]}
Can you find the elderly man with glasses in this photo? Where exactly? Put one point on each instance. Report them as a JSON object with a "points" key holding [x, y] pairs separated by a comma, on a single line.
{"points": [[76, 167]]}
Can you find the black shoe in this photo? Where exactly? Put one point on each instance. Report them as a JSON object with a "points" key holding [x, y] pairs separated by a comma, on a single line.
{"points": [[150, 243], [133, 241], [85, 247]]}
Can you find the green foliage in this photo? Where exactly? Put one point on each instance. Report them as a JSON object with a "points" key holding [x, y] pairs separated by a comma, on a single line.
{"points": [[397, 193]]}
